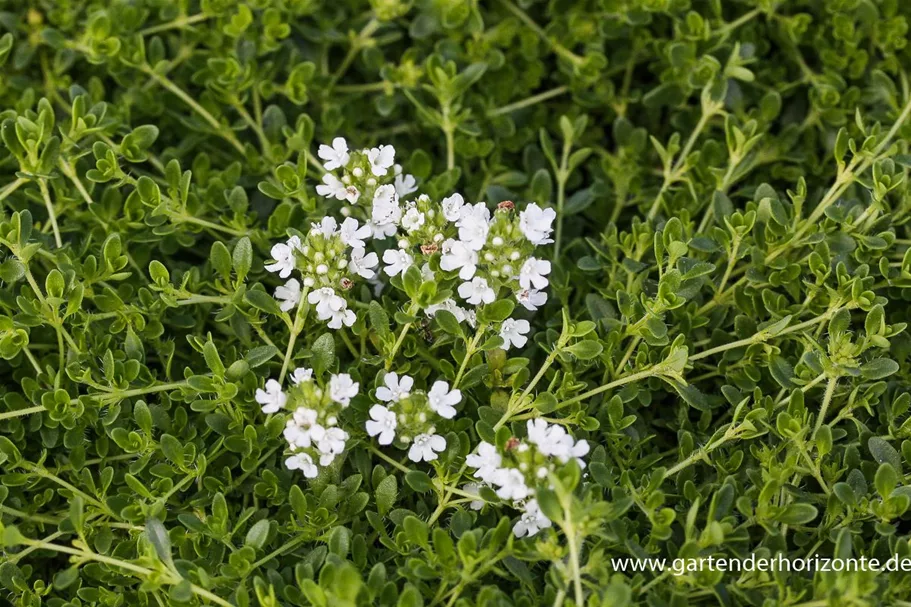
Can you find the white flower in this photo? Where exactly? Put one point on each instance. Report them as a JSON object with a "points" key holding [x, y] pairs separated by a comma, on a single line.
{"points": [[272, 398], [342, 389], [322, 298], [536, 222], [395, 388], [332, 187], [580, 450], [329, 441], [442, 399], [533, 272], [474, 224], [513, 333], [487, 461], [531, 521], [304, 463], [386, 211], [381, 159], [352, 235], [405, 184], [397, 261], [301, 374], [459, 256], [413, 219], [289, 294], [338, 313], [474, 489], [382, 423], [425, 447], [427, 272], [297, 429], [335, 156], [283, 254], [537, 431], [452, 207], [297, 436], [325, 228], [382, 231], [531, 299], [477, 292], [563, 446], [511, 484], [450, 306], [361, 264], [304, 417]]}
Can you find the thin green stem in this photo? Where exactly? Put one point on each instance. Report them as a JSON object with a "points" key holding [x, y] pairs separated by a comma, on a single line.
{"points": [[31, 359], [299, 316], [399, 466], [35, 518], [842, 182], [172, 578], [72, 488], [21, 412], [650, 372], [826, 401], [554, 45], [12, 187], [529, 101], [52, 213], [412, 309], [470, 350], [562, 176], [675, 173], [164, 81], [200, 299], [764, 336], [357, 43], [178, 23]]}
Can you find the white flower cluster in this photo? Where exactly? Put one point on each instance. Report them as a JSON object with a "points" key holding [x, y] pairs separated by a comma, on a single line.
{"points": [[409, 416], [369, 174], [488, 251], [329, 259], [478, 251], [312, 431], [516, 470]]}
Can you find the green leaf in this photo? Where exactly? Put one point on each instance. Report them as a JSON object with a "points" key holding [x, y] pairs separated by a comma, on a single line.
{"points": [[257, 534], [386, 494], [448, 322], [879, 368], [221, 259], [159, 538], [260, 355], [323, 353], [242, 258], [884, 453], [797, 514], [419, 481], [586, 349], [416, 531], [262, 301]]}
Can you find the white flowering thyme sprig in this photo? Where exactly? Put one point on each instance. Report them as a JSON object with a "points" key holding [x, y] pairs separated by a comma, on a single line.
{"points": [[312, 430], [328, 260], [517, 468], [368, 182], [408, 418], [459, 259], [481, 252]]}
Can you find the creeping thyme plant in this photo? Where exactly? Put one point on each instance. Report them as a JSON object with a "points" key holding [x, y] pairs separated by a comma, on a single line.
{"points": [[453, 303]]}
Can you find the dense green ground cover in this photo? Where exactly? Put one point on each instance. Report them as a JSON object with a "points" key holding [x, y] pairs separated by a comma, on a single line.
{"points": [[244, 362]]}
